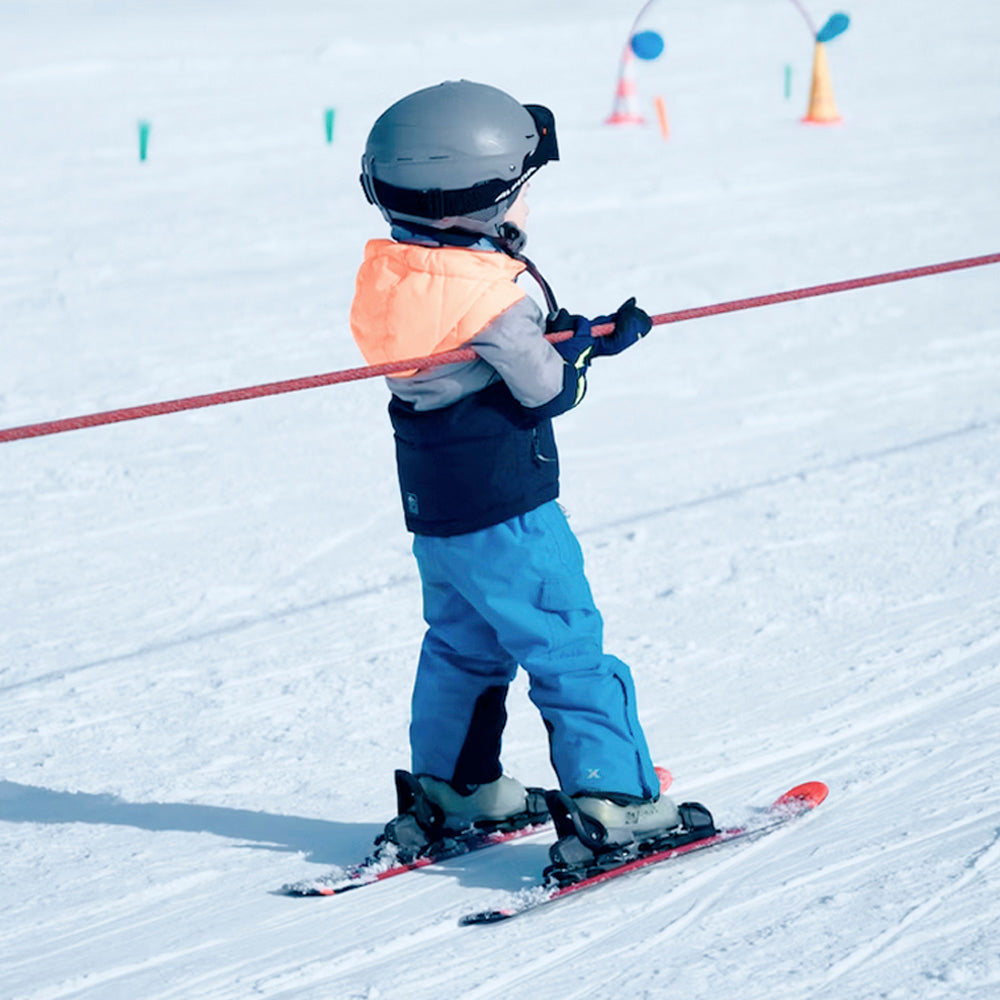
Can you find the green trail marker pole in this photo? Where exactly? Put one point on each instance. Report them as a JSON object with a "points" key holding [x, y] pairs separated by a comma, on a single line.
{"points": [[328, 120], [144, 128]]}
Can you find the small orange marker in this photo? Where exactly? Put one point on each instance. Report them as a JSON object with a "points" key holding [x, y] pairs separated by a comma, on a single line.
{"points": [[661, 114]]}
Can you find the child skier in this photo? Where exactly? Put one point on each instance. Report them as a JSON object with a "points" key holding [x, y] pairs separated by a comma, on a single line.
{"points": [[502, 574]]}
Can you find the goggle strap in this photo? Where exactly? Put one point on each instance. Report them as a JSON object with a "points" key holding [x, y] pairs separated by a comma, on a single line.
{"points": [[435, 203]]}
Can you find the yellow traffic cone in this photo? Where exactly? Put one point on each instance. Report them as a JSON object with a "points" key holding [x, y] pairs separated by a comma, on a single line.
{"points": [[822, 106]]}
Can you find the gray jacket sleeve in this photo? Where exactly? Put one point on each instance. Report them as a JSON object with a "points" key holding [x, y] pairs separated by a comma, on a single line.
{"points": [[514, 345]]}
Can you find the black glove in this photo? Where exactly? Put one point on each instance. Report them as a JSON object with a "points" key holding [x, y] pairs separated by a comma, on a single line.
{"points": [[581, 341], [576, 351], [563, 320], [631, 325]]}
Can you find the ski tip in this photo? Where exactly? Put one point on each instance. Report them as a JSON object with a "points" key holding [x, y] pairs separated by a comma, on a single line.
{"points": [[485, 917], [666, 778], [307, 890], [803, 797]]}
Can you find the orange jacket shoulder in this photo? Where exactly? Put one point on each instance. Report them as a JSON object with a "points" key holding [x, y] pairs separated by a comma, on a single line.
{"points": [[412, 300]]}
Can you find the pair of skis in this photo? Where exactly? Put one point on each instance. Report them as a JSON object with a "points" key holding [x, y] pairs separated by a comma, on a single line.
{"points": [[795, 802]]}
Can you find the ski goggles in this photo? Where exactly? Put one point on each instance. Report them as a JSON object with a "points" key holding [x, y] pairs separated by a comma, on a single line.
{"points": [[548, 147]]}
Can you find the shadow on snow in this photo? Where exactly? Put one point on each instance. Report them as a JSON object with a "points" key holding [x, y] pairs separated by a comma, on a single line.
{"points": [[322, 841]]}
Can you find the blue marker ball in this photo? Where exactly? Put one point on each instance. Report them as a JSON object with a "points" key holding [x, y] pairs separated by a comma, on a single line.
{"points": [[647, 44], [837, 25]]}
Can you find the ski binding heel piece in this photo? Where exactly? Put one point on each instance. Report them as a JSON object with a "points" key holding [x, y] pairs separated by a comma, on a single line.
{"points": [[535, 813]]}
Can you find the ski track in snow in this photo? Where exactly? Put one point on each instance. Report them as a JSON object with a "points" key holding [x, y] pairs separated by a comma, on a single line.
{"points": [[791, 516]]}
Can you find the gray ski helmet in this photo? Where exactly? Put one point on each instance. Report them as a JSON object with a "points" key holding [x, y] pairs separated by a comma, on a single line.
{"points": [[455, 155]]}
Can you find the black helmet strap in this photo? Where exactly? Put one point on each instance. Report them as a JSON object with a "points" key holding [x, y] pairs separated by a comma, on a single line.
{"points": [[509, 240]]}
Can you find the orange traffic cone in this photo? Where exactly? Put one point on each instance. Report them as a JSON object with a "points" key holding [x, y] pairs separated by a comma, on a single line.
{"points": [[626, 106], [822, 106]]}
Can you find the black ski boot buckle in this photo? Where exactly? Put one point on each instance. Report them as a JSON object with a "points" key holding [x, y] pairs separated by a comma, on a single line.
{"points": [[581, 844], [418, 826]]}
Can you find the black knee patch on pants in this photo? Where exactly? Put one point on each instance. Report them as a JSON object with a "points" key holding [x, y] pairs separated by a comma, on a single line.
{"points": [[479, 760]]}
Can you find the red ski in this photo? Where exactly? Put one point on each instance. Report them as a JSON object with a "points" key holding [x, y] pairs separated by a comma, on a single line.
{"points": [[377, 870], [793, 803]]}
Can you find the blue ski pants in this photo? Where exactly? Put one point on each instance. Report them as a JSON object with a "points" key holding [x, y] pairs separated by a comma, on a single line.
{"points": [[516, 594]]}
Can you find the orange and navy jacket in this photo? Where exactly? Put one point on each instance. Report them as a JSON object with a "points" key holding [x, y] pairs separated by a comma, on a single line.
{"points": [[485, 456]]}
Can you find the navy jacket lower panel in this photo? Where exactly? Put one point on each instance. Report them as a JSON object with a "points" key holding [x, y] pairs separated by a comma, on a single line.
{"points": [[476, 463]]}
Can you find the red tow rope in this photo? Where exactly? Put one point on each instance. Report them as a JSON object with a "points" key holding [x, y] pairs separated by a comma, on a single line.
{"points": [[466, 353]]}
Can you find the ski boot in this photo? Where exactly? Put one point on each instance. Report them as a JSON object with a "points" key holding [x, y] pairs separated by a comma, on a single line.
{"points": [[595, 834], [437, 820]]}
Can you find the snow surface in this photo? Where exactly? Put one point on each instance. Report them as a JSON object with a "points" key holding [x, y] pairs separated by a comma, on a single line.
{"points": [[791, 516]]}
